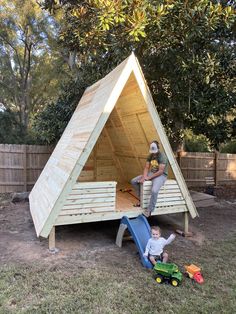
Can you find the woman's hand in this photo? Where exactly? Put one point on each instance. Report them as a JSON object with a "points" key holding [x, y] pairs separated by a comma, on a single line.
{"points": [[144, 178]]}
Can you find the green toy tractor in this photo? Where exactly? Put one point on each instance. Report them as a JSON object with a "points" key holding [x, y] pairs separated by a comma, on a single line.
{"points": [[167, 272]]}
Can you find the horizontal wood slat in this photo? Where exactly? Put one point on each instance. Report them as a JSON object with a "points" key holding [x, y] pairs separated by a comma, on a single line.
{"points": [[164, 203], [90, 209], [94, 195], [90, 197], [88, 205], [169, 195], [91, 200]]}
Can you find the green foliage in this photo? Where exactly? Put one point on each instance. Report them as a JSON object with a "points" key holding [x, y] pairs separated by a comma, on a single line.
{"points": [[229, 148], [49, 124], [11, 130], [186, 49], [30, 64], [195, 143]]}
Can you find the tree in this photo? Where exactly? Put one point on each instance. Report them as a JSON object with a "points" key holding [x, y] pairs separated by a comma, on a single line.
{"points": [[186, 48], [30, 67], [11, 131], [49, 123]]}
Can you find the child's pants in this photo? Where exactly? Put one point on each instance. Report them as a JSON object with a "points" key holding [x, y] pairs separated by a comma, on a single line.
{"points": [[157, 183]]}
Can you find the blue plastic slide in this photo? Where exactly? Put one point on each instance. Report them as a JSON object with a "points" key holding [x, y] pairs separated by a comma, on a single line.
{"points": [[140, 230]]}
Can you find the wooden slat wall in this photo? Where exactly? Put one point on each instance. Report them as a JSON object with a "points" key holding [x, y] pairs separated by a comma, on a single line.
{"points": [[169, 196], [90, 197], [101, 165], [21, 165]]}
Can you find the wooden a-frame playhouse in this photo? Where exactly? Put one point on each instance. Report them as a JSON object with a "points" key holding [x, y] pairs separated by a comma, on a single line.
{"points": [[104, 145]]}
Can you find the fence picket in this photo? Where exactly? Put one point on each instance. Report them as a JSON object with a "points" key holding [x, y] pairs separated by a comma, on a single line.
{"points": [[21, 165]]}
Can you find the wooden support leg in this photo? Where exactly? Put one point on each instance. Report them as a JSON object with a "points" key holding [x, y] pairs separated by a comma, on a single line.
{"points": [[186, 218], [52, 241], [120, 234]]}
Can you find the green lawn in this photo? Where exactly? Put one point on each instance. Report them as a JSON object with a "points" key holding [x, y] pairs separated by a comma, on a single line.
{"points": [[66, 289]]}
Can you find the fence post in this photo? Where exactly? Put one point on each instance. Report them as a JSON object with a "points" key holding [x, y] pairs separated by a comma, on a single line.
{"points": [[25, 167], [179, 155], [216, 157]]}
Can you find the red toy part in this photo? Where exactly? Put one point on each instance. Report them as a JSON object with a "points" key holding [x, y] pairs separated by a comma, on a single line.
{"points": [[198, 277]]}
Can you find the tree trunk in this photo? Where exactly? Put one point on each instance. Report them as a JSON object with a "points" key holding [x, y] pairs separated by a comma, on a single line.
{"points": [[176, 141]]}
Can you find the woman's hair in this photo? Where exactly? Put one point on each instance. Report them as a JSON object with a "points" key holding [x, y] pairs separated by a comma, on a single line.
{"points": [[156, 228]]}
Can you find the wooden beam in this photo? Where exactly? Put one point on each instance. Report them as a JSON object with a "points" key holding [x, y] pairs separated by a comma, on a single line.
{"points": [[95, 162], [216, 157], [141, 127], [25, 167], [186, 222], [130, 140], [52, 240], [115, 159]]}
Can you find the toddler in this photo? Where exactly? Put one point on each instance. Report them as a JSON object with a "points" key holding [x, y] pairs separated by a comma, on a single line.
{"points": [[155, 246]]}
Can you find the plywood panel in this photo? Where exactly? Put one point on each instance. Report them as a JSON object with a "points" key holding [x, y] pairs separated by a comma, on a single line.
{"points": [[148, 126]]}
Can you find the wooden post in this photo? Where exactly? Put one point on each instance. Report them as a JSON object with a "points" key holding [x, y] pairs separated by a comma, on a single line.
{"points": [[52, 240], [95, 162], [179, 155], [25, 167], [215, 167], [185, 222]]}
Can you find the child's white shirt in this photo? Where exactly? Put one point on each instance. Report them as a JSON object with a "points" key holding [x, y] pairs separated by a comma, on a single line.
{"points": [[156, 246]]}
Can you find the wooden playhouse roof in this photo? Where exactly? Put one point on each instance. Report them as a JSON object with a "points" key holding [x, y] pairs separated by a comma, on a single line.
{"points": [[82, 132]]}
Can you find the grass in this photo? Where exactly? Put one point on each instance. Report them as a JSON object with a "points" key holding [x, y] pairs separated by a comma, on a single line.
{"points": [[68, 289]]}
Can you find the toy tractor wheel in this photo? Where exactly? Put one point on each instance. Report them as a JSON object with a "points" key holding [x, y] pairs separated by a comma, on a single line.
{"points": [[174, 282], [159, 279]]}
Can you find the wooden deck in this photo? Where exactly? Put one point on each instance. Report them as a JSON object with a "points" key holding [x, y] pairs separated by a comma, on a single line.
{"points": [[125, 201], [202, 199]]}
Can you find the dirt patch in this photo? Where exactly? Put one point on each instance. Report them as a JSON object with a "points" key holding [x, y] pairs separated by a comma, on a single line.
{"points": [[92, 244], [224, 192]]}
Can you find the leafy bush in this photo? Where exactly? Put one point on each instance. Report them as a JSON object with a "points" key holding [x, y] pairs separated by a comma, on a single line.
{"points": [[49, 124], [12, 131], [229, 148], [195, 143]]}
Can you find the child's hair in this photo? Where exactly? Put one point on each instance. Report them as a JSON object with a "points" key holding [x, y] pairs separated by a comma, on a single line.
{"points": [[156, 228]]}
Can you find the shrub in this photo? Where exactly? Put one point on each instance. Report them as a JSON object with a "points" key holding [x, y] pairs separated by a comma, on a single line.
{"points": [[229, 148], [195, 143]]}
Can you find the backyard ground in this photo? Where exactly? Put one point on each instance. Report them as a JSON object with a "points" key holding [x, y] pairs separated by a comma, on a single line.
{"points": [[90, 274]]}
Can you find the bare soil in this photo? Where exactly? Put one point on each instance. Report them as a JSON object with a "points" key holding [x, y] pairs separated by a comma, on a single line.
{"points": [[93, 244]]}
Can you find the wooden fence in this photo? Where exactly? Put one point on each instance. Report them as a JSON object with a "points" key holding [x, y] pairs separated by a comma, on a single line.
{"points": [[21, 165], [196, 167]]}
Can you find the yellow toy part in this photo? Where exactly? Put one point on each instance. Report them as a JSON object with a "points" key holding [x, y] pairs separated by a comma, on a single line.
{"points": [[192, 270]]}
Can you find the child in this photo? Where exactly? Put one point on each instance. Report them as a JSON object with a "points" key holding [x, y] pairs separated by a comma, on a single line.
{"points": [[155, 246]]}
